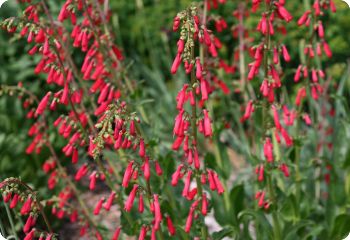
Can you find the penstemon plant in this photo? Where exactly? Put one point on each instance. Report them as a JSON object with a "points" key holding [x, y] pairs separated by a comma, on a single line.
{"points": [[188, 123], [249, 154]]}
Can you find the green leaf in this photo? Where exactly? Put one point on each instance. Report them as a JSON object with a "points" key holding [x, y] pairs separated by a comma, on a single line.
{"points": [[347, 160], [341, 227], [314, 232], [130, 229], [225, 232], [264, 226], [220, 213], [288, 210], [291, 231], [236, 198]]}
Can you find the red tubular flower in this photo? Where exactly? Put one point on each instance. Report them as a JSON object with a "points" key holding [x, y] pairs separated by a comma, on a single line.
{"points": [[159, 170], [118, 53], [317, 8], [33, 50], [92, 177], [307, 119], [176, 23], [146, 169], [248, 111], [74, 216], [81, 172], [327, 49], [332, 6], [264, 88], [283, 12], [191, 194], [30, 236], [276, 117], [204, 90], [260, 171], [75, 156], [177, 143], [219, 187], [207, 125], [14, 201], [287, 138], [262, 26], [109, 202], [302, 20], [285, 53], [204, 204], [151, 206], [297, 74], [43, 103], [91, 146], [268, 150], [203, 179], [143, 233], [157, 212], [252, 72], [98, 206], [28, 224], [275, 56], [300, 95], [178, 126], [26, 206], [180, 46], [261, 199], [223, 87], [198, 69], [176, 63], [181, 97], [98, 236], [320, 29], [189, 221], [321, 73], [284, 169], [7, 197], [206, 36], [142, 148], [116, 233], [197, 164], [190, 157], [153, 233], [213, 51], [176, 175], [275, 77], [187, 184], [130, 201], [170, 226], [211, 180]]}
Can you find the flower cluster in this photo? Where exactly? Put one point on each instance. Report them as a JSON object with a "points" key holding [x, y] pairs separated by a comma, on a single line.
{"points": [[16, 193], [195, 118], [267, 56]]}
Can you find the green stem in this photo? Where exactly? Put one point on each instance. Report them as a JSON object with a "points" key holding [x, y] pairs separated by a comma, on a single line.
{"points": [[194, 132], [11, 221], [38, 204], [270, 187], [276, 223]]}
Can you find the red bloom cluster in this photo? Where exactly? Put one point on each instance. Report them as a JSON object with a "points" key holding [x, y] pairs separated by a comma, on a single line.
{"points": [[188, 122]]}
